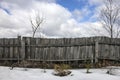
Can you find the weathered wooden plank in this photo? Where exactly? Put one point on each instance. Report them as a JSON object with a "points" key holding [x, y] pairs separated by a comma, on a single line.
{"points": [[96, 54], [11, 48], [1, 48], [60, 49], [6, 49]]}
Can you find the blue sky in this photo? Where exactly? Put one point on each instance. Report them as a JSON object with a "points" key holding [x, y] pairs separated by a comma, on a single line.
{"points": [[73, 4]]}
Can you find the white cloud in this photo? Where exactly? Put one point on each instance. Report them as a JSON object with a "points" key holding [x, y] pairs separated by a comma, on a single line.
{"points": [[81, 14], [18, 22], [24, 3], [59, 22]]}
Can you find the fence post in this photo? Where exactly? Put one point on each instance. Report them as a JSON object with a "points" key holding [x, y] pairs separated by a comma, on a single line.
{"points": [[19, 44], [96, 51], [23, 48]]}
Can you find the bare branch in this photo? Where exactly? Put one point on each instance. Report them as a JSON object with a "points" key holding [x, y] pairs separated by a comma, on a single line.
{"points": [[110, 15], [36, 22]]}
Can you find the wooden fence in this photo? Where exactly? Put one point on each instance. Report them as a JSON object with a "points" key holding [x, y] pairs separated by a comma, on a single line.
{"points": [[60, 49]]}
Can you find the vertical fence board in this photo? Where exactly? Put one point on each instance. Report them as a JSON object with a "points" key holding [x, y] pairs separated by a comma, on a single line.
{"points": [[60, 49]]}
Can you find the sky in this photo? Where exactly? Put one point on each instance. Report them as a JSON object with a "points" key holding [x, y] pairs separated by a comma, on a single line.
{"points": [[62, 18]]}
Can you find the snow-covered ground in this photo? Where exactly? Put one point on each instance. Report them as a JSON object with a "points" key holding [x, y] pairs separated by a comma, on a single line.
{"points": [[37, 74]]}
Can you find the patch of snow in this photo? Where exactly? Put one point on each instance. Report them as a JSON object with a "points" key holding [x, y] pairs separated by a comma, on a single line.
{"points": [[38, 74], [113, 70]]}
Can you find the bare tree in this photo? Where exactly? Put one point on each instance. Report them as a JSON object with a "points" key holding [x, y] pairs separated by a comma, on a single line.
{"points": [[110, 18], [36, 22]]}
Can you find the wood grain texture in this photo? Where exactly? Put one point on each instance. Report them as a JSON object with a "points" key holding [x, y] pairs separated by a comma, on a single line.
{"points": [[60, 49]]}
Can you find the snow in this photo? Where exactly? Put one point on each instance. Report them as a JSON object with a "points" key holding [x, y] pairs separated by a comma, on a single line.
{"points": [[38, 74]]}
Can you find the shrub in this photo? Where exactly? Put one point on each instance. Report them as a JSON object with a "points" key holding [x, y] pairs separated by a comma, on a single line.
{"points": [[62, 70], [6, 63], [88, 66]]}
